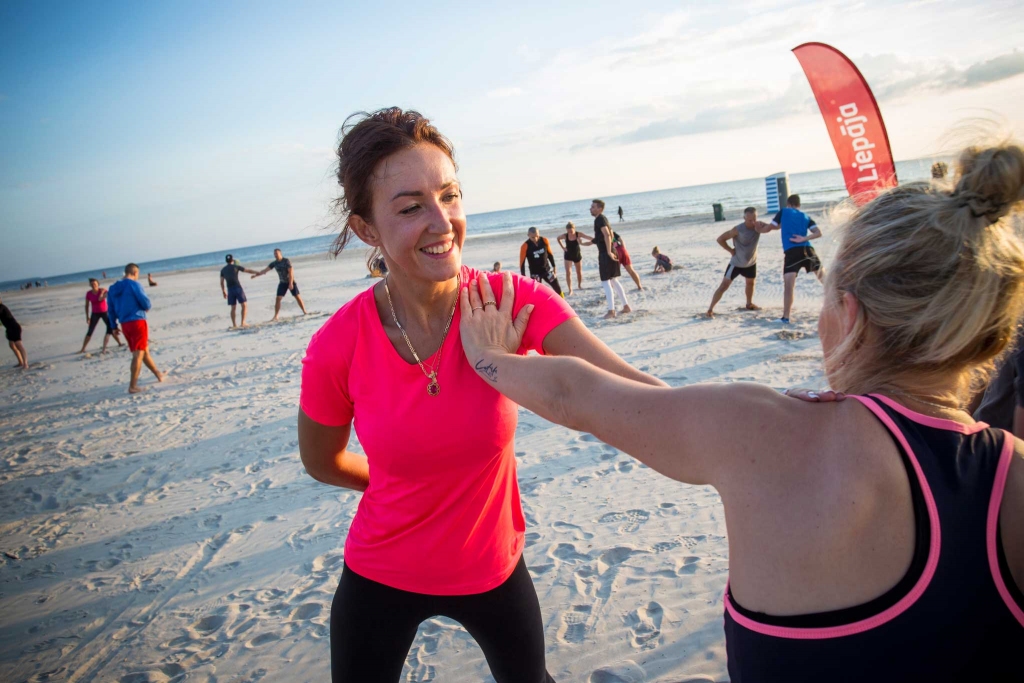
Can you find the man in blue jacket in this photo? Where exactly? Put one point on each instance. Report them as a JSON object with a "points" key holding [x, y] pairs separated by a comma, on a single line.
{"points": [[127, 304], [798, 229]]}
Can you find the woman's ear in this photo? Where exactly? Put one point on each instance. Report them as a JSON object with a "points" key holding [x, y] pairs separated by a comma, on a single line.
{"points": [[364, 231], [851, 309]]}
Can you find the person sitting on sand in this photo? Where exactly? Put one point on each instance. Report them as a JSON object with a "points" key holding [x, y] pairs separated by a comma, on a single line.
{"points": [[607, 260], [537, 251], [798, 229], [231, 288], [745, 237], [440, 527], [497, 267], [573, 255], [127, 305], [96, 297], [12, 330], [286, 282], [152, 282], [876, 539], [662, 263]]}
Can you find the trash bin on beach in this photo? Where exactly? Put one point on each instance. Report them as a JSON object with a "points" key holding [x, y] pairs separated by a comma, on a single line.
{"points": [[719, 214], [776, 188]]}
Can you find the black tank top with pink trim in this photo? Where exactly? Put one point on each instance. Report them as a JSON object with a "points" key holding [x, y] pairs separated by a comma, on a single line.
{"points": [[957, 615]]}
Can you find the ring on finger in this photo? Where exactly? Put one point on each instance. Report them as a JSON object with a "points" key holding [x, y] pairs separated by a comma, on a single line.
{"points": [[490, 303], [478, 308]]}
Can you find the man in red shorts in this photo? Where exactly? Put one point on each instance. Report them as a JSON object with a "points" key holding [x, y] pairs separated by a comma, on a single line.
{"points": [[127, 303]]}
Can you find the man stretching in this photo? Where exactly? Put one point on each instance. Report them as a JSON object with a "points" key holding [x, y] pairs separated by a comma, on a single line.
{"points": [[798, 229], [287, 283], [537, 250], [745, 237], [127, 304], [231, 288]]}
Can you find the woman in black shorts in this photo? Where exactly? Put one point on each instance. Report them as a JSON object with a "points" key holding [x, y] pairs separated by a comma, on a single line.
{"points": [[13, 330], [570, 243]]}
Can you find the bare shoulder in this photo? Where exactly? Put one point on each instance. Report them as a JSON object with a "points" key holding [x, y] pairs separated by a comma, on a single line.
{"points": [[782, 441]]}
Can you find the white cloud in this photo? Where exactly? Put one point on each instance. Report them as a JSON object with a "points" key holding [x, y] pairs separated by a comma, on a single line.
{"points": [[502, 93]]}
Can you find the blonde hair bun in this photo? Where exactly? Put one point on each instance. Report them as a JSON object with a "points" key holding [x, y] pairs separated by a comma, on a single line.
{"points": [[939, 276], [990, 180]]}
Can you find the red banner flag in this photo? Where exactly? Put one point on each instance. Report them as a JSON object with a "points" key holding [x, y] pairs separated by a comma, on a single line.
{"points": [[853, 120]]}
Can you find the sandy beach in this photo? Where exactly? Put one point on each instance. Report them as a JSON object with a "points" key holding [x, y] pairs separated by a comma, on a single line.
{"points": [[174, 535]]}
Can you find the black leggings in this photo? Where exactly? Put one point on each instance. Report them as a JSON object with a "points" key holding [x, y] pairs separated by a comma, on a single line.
{"points": [[94, 321], [373, 626]]}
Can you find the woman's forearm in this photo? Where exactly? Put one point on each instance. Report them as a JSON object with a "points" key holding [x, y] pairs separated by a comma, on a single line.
{"points": [[346, 469], [546, 385]]}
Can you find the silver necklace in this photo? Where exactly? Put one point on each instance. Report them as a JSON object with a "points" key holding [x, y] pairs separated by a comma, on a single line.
{"points": [[433, 388]]}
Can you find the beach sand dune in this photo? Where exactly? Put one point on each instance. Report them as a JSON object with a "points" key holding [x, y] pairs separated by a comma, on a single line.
{"points": [[174, 535]]}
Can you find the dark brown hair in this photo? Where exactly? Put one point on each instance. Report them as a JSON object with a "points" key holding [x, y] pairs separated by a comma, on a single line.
{"points": [[794, 201], [367, 140], [599, 202], [131, 268]]}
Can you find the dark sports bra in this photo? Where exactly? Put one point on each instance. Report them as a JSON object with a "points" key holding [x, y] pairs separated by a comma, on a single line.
{"points": [[955, 615]]}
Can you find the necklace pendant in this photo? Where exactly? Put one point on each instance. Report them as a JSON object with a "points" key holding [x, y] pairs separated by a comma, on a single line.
{"points": [[433, 389]]}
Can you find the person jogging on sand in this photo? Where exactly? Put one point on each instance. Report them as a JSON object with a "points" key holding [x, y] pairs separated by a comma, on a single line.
{"points": [[607, 259], [286, 282], [798, 229], [440, 528], [12, 331], [127, 304], [231, 288], [883, 539], [97, 298], [745, 237], [537, 251], [570, 243]]}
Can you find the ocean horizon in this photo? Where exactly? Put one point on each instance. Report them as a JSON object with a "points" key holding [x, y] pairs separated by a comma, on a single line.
{"points": [[814, 187]]}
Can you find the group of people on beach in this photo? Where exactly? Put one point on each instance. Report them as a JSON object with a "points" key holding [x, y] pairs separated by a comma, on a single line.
{"points": [[797, 229], [880, 537], [612, 256]]}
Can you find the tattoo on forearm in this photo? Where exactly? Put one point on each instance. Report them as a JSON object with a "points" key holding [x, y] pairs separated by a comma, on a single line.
{"points": [[490, 371]]}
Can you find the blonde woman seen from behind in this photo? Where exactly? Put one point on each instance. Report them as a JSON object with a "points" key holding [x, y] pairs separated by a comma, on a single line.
{"points": [[880, 538]]}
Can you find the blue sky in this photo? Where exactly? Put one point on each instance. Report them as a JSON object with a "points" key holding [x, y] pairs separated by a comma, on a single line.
{"points": [[158, 129]]}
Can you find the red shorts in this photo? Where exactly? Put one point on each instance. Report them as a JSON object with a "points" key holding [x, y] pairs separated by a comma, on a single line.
{"points": [[137, 334], [623, 255]]}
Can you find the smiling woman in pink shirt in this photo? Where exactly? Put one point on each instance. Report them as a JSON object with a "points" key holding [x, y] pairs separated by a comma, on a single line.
{"points": [[440, 529]]}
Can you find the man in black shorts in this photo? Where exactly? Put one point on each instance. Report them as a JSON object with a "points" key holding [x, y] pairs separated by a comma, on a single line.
{"points": [[745, 237], [231, 288], [798, 229], [537, 250], [286, 277]]}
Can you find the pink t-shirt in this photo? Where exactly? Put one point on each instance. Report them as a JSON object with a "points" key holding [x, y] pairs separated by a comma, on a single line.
{"points": [[98, 306], [442, 514]]}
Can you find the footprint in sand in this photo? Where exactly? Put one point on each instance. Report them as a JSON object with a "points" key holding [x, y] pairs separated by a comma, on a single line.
{"points": [[645, 626], [263, 639], [578, 533], [623, 672], [629, 521], [688, 565], [574, 624], [567, 553]]}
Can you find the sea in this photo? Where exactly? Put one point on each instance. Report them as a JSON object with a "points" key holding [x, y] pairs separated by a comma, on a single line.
{"points": [[693, 203]]}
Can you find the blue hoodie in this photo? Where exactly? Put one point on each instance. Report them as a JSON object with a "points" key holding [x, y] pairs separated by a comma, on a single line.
{"points": [[126, 302]]}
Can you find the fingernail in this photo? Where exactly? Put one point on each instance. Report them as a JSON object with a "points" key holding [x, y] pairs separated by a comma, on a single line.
{"points": [[812, 394]]}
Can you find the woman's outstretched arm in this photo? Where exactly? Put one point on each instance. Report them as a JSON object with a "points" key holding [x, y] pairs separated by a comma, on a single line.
{"points": [[678, 432]]}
